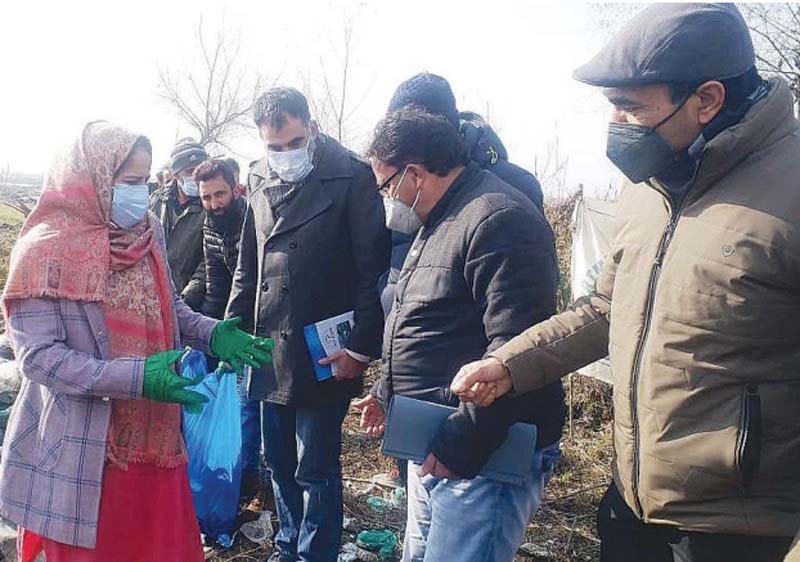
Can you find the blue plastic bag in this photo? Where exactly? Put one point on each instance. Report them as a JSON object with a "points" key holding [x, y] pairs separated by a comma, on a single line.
{"points": [[214, 442]]}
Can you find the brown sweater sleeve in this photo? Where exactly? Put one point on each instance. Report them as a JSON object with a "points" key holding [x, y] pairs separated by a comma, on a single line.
{"points": [[565, 342]]}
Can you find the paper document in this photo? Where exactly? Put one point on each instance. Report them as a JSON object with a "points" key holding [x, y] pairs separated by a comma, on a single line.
{"points": [[326, 337]]}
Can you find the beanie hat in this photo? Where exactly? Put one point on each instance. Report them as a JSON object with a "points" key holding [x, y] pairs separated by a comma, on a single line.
{"points": [[429, 92], [187, 152]]}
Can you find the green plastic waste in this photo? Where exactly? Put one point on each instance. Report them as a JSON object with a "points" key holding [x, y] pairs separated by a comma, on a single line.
{"points": [[378, 504], [383, 542]]}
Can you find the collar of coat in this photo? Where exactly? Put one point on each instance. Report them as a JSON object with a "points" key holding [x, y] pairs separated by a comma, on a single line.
{"points": [[768, 121], [331, 161]]}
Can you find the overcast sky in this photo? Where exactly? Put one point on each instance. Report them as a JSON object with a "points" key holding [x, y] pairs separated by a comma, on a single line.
{"points": [[65, 63]]}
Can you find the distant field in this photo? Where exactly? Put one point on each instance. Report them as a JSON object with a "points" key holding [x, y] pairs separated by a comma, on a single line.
{"points": [[9, 215], [10, 223]]}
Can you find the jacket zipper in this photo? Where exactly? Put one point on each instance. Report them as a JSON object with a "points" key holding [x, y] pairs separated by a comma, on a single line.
{"points": [[655, 274], [748, 441]]}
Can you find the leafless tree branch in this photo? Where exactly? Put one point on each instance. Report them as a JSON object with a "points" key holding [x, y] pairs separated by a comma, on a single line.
{"points": [[215, 94]]}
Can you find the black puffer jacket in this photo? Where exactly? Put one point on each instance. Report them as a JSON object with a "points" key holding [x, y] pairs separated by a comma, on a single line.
{"points": [[479, 272], [221, 252], [487, 150]]}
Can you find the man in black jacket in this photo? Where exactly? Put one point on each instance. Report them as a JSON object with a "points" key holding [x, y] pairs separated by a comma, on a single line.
{"points": [[433, 94], [222, 231], [479, 269], [178, 208], [313, 246]]}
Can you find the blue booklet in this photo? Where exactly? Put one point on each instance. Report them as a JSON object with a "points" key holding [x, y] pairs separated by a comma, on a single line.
{"points": [[326, 337], [412, 425]]}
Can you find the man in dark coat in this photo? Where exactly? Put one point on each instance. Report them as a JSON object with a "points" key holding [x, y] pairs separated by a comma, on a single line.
{"points": [[433, 94], [478, 270], [313, 245], [180, 212]]}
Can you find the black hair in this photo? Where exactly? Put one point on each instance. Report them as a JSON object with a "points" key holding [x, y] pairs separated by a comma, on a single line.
{"points": [[411, 135], [234, 168], [272, 107], [214, 168], [737, 89]]}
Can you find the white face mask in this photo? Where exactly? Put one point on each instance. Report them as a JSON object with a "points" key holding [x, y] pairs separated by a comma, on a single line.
{"points": [[189, 187], [399, 216], [292, 166], [128, 205]]}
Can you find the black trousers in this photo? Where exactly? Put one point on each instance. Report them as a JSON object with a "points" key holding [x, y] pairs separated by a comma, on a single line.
{"points": [[624, 538]]}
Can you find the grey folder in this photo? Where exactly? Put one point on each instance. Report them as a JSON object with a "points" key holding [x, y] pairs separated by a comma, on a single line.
{"points": [[412, 425]]}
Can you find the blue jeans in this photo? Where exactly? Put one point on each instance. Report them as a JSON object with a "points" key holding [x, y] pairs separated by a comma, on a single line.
{"points": [[302, 448], [478, 520], [251, 430]]}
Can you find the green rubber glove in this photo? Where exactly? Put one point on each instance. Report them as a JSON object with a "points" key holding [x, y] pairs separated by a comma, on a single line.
{"points": [[162, 384], [238, 348]]}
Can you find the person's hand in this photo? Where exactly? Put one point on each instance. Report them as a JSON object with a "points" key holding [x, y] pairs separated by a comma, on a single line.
{"points": [[346, 366], [237, 348], [373, 420], [482, 382], [434, 467], [162, 384]]}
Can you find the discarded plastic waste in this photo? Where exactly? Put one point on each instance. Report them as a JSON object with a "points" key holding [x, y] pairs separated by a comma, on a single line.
{"points": [[385, 479], [346, 522], [399, 497], [383, 543], [378, 504], [214, 443], [259, 531], [349, 553], [536, 550]]}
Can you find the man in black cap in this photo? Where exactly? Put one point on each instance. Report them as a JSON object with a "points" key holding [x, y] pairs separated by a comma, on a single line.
{"points": [[180, 211], [703, 279], [433, 94]]}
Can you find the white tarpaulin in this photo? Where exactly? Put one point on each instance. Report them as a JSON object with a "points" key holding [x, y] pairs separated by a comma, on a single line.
{"points": [[593, 230]]}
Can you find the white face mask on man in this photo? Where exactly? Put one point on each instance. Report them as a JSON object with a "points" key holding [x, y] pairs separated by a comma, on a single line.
{"points": [[399, 216], [292, 166], [189, 186]]}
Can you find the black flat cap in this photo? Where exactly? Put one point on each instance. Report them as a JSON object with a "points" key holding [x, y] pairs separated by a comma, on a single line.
{"points": [[674, 43]]}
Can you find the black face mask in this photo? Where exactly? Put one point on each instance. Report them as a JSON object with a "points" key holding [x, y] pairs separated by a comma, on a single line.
{"points": [[224, 221], [640, 152]]}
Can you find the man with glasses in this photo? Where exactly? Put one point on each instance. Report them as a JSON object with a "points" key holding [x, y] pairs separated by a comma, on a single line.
{"points": [[478, 270]]}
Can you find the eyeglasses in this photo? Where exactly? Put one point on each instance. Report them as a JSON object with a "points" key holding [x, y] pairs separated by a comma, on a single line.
{"points": [[383, 188]]}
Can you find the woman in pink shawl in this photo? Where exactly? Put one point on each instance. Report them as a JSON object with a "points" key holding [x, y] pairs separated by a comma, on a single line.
{"points": [[94, 463]]}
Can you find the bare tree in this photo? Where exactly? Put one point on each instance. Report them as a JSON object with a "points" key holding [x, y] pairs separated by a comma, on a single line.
{"points": [[551, 169], [330, 96], [776, 35], [214, 95]]}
